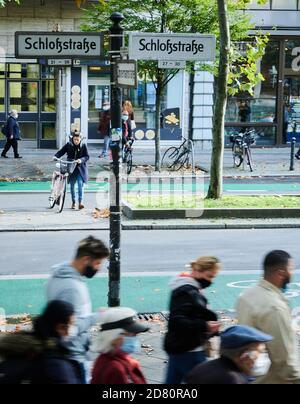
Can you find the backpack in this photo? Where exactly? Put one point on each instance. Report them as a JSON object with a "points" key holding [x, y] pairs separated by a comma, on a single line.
{"points": [[4, 129]]}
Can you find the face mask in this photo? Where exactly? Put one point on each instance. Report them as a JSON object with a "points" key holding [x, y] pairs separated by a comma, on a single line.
{"points": [[261, 365], [131, 345], [73, 331], [89, 272], [204, 283], [106, 108], [125, 117]]}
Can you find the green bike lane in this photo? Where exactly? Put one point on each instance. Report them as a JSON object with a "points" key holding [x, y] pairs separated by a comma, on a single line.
{"points": [[145, 293], [93, 186]]}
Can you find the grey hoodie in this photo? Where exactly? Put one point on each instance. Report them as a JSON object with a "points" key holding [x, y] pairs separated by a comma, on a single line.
{"points": [[68, 285], [179, 281]]}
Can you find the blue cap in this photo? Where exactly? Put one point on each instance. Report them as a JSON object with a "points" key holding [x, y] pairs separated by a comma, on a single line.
{"points": [[241, 335]]}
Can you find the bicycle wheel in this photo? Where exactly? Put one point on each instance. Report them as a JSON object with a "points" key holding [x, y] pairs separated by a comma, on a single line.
{"points": [[169, 157], [129, 162], [62, 197], [53, 193], [249, 159], [237, 154], [180, 161]]}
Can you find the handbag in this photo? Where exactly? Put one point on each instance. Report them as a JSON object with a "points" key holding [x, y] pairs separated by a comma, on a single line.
{"points": [[133, 125]]}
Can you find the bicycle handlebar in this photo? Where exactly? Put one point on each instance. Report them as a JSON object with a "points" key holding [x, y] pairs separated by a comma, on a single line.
{"points": [[63, 161]]}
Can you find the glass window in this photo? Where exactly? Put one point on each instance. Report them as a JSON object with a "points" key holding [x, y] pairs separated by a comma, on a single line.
{"points": [[23, 71], [23, 96], [28, 130], [255, 6], [2, 95], [2, 70], [48, 96], [48, 72], [48, 131], [292, 56], [284, 4], [265, 136]]}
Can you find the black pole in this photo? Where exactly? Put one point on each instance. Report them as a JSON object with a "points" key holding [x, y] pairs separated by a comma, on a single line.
{"points": [[293, 145], [115, 44]]}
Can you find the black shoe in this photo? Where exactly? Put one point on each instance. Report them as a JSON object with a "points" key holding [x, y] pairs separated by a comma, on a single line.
{"points": [[18, 157], [3, 155], [297, 156]]}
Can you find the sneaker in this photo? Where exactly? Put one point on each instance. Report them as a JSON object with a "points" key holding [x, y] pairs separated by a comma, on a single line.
{"points": [[80, 206], [297, 156], [73, 206]]}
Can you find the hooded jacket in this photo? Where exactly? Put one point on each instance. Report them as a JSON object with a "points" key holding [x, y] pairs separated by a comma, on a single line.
{"points": [[74, 152], [68, 285], [187, 328]]}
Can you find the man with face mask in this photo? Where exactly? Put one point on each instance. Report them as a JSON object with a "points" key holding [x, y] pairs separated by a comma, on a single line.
{"points": [[242, 356], [68, 284], [266, 308], [191, 323]]}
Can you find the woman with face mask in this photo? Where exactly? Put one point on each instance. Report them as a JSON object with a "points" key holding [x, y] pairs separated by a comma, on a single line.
{"points": [[116, 341], [191, 323]]}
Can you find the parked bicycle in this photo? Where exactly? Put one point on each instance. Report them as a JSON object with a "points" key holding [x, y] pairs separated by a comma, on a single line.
{"points": [[175, 158], [241, 147], [59, 183], [127, 156]]}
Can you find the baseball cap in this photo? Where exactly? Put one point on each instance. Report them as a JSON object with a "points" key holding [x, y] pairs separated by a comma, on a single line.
{"points": [[124, 318], [241, 335]]}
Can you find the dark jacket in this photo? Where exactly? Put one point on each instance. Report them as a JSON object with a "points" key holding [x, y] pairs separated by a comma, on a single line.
{"points": [[218, 371], [12, 128], [126, 131], [117, 368], [187, 327], [74, 153], [104, 123]]}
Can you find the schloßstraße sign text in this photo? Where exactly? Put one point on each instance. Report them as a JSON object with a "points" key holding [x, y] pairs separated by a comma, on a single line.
{"points": [[168, 47], [58, 44]]}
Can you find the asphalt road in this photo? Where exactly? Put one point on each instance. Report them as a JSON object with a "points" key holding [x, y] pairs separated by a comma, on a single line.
{"points": [[149, 251]]}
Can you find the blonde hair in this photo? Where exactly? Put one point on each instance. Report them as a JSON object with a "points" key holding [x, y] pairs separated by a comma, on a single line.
{"points": [[205, 263], [128, 106]]}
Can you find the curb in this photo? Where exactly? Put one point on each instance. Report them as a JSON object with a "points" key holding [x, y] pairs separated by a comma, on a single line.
{"points": [[222, 226], [50, 229]]}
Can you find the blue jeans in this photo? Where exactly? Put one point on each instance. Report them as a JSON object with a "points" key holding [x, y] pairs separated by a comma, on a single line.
{"points": [[180, 365], [79, 181], [105, 145]]}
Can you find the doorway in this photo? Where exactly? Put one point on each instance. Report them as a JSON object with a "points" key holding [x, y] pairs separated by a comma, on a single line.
{"points": [[99, 92], [291, 108]]}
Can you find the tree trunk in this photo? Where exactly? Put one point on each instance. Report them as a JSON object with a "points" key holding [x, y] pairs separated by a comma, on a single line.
{"points": [[216, 171], [159, 90]]}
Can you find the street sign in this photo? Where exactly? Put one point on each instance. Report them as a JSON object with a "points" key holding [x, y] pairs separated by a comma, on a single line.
{"points": [[171, 47], [79, 45], [126, 73], [59, 62], [171, 64]]}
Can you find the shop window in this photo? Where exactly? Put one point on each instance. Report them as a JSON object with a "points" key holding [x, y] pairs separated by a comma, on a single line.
{"points": [[264, 135], [255, 6], [48, 96], [23, 96], [48, 131], [48, 72], [2, 95], [23, 71], [2, 70], [284, 4], [28, 130]]}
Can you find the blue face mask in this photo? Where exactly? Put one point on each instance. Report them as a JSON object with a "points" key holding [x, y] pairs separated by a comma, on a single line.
{"points": [[131, 345], [125, 117]]}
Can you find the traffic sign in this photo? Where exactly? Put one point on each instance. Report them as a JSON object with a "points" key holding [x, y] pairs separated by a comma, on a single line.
{"points": [[126, 73], [171, 47], [171, 64], [58, 45]]}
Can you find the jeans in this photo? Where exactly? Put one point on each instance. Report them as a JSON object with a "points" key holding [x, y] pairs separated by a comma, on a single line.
{"points": [[180, 365], [105, 145], [79, 181]]}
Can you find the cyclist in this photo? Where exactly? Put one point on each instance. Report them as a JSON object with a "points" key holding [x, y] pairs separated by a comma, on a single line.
{"points": [[127, 138], [76, 150]]}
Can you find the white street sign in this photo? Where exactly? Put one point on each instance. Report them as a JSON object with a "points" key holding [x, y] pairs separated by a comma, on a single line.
{"points": [[58, 45], [171, 47], [126, 73], [171, 65], [59, 62]]}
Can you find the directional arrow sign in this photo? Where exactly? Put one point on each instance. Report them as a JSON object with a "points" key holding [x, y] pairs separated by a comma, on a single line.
{"points": [[171, 47]]}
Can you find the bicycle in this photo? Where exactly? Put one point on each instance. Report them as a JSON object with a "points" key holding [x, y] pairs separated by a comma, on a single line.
{"points": [[241, 143], [175, 158], [59, 183], [127, 156]]}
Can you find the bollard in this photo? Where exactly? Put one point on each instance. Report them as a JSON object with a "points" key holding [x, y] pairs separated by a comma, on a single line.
{"points": [[293, 146]]}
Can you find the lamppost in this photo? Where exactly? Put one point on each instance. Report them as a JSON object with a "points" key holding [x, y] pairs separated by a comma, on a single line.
{"points": [[115, 44]]}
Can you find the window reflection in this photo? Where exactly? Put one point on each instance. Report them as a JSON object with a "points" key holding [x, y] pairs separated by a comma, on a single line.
{"points": [[48, 96], [23, 96]]}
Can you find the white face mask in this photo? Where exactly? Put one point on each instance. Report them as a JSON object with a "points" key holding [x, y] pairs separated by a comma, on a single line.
{"points": [[261, 365], [73, 331], [106, 108]]}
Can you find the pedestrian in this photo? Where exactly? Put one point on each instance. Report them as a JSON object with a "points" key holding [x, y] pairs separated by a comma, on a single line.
{"points": [[12, 133], [265, 307], [127, 106], [105, 127], [39, 356], [127, 137], [116, 341], [76, 151], [68, 283], [242, 356], [191, 323]]}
